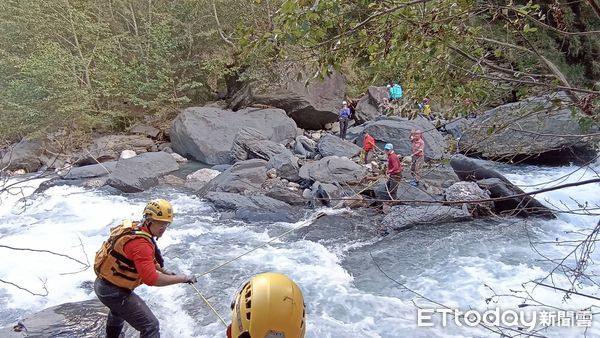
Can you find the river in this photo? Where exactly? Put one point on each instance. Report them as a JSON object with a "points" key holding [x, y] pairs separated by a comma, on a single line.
{"points": [[342, 277]]}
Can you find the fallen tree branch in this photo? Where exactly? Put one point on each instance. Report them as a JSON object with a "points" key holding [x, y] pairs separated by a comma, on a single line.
{"points": [[27, 290], [44, 251]]}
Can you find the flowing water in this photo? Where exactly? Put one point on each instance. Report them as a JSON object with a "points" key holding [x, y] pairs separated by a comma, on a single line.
{"points": [[345, 289]]}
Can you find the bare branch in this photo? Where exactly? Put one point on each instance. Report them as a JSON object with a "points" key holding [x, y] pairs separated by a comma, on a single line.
{"points": [[27, 290], [595, 7], [45, 251], [219, 27]]}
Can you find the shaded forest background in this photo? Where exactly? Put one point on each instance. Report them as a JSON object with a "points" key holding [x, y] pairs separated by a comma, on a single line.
{"points": [[92, 66]]}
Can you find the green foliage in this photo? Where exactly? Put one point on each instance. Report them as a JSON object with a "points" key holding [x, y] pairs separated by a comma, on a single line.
{"points": [[448, 51], [101, 65]]}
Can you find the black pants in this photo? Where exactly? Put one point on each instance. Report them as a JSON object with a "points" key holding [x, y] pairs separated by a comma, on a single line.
{"points": [[125, 305], [343, 127]]}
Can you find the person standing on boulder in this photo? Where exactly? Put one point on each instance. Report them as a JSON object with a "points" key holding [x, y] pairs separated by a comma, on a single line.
{"points": [[368, 146], [418, 156], [345, 114], [394, 170], [129, 258], [396, 92]]}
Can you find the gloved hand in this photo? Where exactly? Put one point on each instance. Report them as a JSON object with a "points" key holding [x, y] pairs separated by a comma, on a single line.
{"points": [[190, 279]]}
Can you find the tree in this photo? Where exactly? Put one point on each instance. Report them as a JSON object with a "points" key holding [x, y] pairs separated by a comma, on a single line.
{"points": [[476, 50]]}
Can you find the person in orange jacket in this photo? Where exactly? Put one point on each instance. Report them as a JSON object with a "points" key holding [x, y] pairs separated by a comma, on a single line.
{"points": [[129, 258], [368, 146]]}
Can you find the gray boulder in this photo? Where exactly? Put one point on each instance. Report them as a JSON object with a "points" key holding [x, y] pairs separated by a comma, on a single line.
{"points": [[250, 143], [366, 109], [330, 145], [499, 187], [245, 176], [397, 130], [252, 207], [402, 217], [109, 148], [541, 130], [305, 147], [285, 195], [141, 172], [457, 127], [88, 171], [287, 166], [439, 175], [470, 191], [312, 104], [22, 155], [199, 178], [85, 319], [88, 183], [511, 205], [207, 133], [333, 169]]}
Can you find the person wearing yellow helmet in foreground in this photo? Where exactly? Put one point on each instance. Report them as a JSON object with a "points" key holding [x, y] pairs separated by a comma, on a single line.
{"points": [[129, 258], [269, 305]]}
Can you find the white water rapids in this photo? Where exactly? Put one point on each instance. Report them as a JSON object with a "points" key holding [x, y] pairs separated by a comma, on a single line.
{"points": [[456, 265]]}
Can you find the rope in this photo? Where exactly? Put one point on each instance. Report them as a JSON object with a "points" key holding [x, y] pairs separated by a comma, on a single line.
{"points": [[209, 305], [313, 218], [309, 221]]}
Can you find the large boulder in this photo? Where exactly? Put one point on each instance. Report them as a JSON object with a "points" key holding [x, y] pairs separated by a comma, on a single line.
{"points": [[242, 177], [311, 104], [470, 191], [397, 130], [109, 148], [402, 217], [367, 107], [333, 169], [330, 145], [141, 172], [510, 201], [89, 171], [199, 178], [540, 130], [250, 143], [305, 147], [511, 198], [23, 155], [286, 165], [207, 133], [252, 207]]}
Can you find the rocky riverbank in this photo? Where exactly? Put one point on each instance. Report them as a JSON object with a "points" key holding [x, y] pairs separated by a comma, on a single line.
{"points": [[266, 168]]}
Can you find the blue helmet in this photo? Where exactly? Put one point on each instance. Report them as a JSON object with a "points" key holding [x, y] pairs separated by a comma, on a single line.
{"points": [[388, 146]]}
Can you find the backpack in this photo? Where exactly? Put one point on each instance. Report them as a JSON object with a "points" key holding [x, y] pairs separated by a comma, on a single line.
{"points": [[117, 232]]}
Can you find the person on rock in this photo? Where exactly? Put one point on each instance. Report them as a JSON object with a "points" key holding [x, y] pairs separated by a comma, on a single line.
{"points": [[367, 148], [345, 115], [394, 171], [418, 156], [128, 258], [395, 92]]}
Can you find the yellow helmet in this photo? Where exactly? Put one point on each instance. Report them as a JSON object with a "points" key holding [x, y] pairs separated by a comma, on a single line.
{"points": [[269, 305], [159, 210]]}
